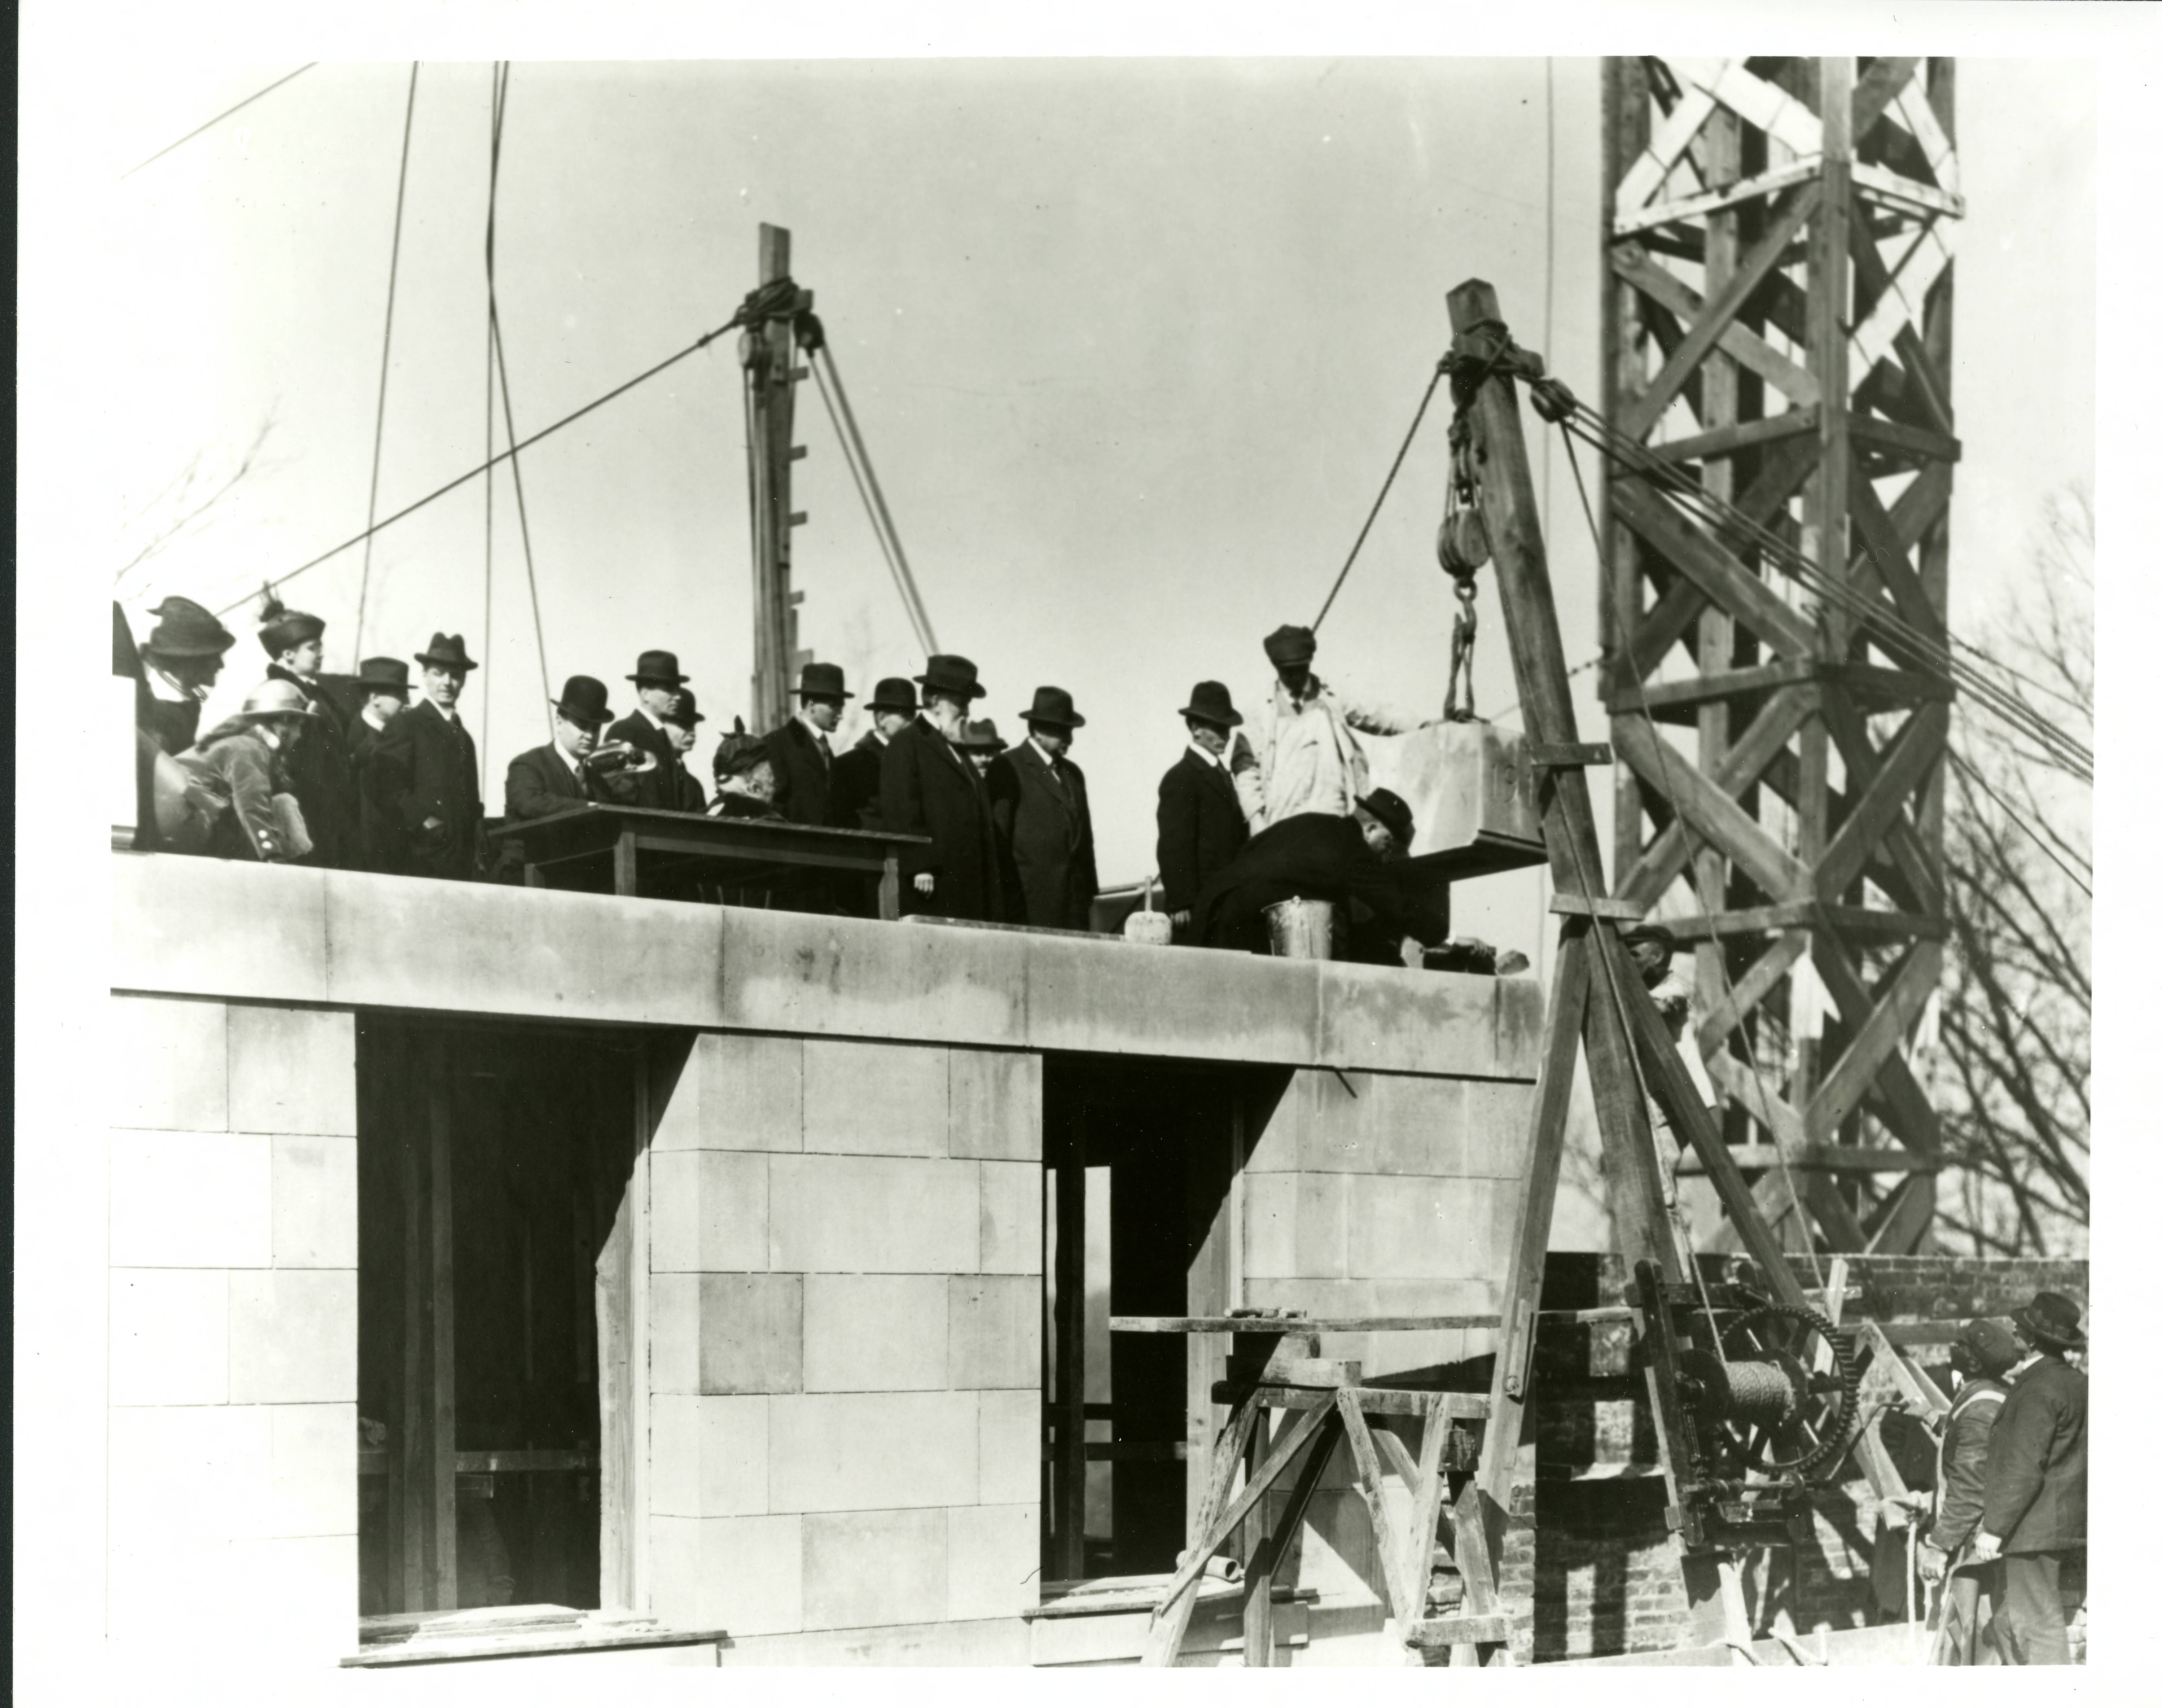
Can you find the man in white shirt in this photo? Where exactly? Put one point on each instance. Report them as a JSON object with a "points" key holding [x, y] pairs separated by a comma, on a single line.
{"points": [[1310, 760]]}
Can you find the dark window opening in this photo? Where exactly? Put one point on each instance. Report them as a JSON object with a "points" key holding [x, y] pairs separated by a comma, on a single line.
{"points": [[493, 1162]]}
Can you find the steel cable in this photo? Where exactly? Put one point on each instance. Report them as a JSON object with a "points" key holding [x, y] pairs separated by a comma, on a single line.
{"points": [[383, 380]]}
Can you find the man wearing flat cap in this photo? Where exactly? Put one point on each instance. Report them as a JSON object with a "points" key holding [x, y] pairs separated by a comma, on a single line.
{"points": [[1201, 816], [660, 773], [802, 752], [1981, 1355], [1310, 757], [423, 773], [2034, 1486], [1052, 842], [319, 762], [927, 788]]}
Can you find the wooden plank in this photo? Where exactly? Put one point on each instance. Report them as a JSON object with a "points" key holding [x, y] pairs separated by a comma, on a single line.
{"points": [[1223, 1518], [1596, 907], [1429, 1487], [1175, 1606], [1399, 1457], [1722, 685], [1717, 444], [1258, 1633], [1722, 576], [1852, 1159], [1716, 816], [1911, 1117], [1070, 1486], [1368, 1466], [1877, 88], [441, 1421], [1924, 378], [1917, 748], [1904, 1218], [1300, 1325], [1209, 1171], [1915, 860], [1453, 1629], [1885, 1031], [1258, 1625], [1632, 264], [1652, 637], [1741, 998], [1880, 433], [1796, 208], [1480, 1520], [1885, 555], [1375, 1402]]}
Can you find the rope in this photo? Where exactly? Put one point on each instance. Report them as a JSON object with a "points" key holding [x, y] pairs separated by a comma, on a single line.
{"points": [[475, 473], [382, 381], [1402, 450], [487, 386], [1694, 849], [2012, 814], [503, 379], [901, 582], [221, 118]]}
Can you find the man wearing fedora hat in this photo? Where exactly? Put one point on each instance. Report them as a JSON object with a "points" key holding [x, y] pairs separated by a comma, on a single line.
{"points": [[801, 753], [681, 726], [2034, 1485], [981, 744], [1310, 757], [1201, 818], [1052, 842], [658, 682], [926, 788], [390, 690], [423, 773], [319, 762], [851, 801], [180, 664], [242, 761]]}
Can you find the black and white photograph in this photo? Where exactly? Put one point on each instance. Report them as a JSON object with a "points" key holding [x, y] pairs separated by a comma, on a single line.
{"points": [[923, 852]]}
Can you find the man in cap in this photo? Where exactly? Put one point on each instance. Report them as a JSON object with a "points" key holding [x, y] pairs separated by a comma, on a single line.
{"points": [[1981, 1356], [802, 755], [390, 691], [658, 682], [1310, 759], [559, 775], [241, 760], [319, 763], [1650, 947], [2034, 1485], [424, 775], [852, 802], [1052, 842], [926, 788], [1201, 819], [182, 660], [1321, 856]]}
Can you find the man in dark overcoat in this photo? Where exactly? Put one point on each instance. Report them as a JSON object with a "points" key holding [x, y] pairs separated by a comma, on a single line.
{"points": [[424, 775], [2034, 1486], [1321, 857], [1200, 822], [853, 804], [1053, 843], [554, 777], [926, 788], [318, 764], [658, 684], [801, 750], [390, 690]]}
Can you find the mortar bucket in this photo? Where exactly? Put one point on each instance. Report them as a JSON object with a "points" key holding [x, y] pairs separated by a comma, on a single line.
{"points": [[1301, 930]]}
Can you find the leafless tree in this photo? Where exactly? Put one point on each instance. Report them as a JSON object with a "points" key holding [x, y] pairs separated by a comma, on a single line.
{"points": [[2012, 1076], [186, 504]]}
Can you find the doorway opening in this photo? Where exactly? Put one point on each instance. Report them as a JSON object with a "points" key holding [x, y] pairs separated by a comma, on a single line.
{"points": [[495, 1243], [1142, 1161]]}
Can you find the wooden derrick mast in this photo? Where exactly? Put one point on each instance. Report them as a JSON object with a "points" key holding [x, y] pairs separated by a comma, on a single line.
{"points": [[1778, 326]]}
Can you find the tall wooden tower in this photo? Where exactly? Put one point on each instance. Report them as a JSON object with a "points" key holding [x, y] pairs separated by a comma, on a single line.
{"points": [[1778, 326]]}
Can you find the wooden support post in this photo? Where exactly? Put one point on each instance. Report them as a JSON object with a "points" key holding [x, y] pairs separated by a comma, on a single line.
{"points": [[1258, 1617], [769, 356], [1070, 1484]]}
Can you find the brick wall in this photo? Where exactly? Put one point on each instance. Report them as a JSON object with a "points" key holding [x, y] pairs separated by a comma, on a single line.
{"points": [[847, 1288], [232, 1299]]}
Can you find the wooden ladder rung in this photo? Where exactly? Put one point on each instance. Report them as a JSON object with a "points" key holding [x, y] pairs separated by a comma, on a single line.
{"points": [[1457, 1628]]}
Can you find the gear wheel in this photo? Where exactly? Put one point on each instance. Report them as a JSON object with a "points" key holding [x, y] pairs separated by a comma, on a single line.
{"points": [[1750, 1338]]}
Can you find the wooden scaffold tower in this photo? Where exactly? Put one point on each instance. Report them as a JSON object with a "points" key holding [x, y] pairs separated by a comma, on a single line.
{"points": [[1778, 334]]}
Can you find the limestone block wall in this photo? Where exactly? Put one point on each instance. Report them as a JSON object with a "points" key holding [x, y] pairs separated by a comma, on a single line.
{"points": [[232, 1304], [847, 1275], [1369, 1194]]}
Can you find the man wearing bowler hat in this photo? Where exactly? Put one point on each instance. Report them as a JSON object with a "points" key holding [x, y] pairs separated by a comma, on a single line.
{"points": [[852, 803], [927, 788], [425, 775], [1201, 816], [659, 783], [2034, 1486], [682, 726], [558, 776], [390, 690], [802, 755], [1053, 841], [1310, 757]]}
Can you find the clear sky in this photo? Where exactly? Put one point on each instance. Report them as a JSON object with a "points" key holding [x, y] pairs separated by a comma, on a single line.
{"points": [[1132, 342]]}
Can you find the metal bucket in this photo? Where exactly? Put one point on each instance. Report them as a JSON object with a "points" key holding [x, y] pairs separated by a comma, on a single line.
{"points": [[1301, 930]]}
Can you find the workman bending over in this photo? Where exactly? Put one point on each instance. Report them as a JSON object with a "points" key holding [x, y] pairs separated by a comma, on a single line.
{"points": [[1310, 759]]}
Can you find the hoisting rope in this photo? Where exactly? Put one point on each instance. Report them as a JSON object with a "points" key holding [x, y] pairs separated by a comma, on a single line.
{"points": [[752, 305], [1390, 480], [211, 123], [383, 382]]}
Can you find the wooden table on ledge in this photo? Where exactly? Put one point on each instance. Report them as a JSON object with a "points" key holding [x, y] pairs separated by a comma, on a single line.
{"points": [[586, 842]]}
